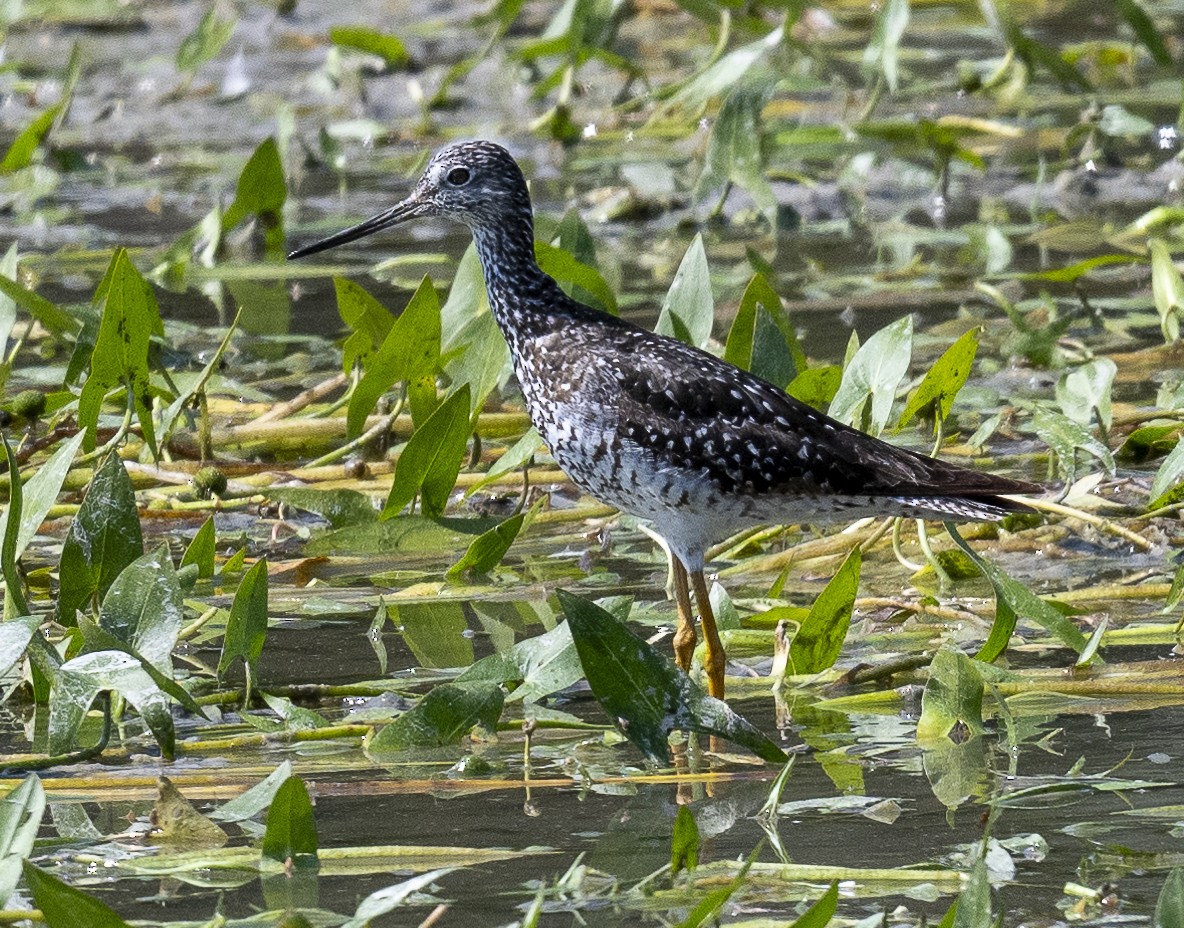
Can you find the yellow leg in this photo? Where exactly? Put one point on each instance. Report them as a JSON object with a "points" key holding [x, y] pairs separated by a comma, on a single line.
{"points": [[684, 635], [715, 658]]}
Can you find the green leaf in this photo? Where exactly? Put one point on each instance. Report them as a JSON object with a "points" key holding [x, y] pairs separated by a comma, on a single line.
{"points": [[382, 44], [1151, 38], [869, 384], [291, 835], [974, 905], [953, 695], [9, 265], [883, 50], [822, 911], [50, 315], [1065, 437], [1169, 908], [431, 458], [577, 279], [370, 321], [205, 42], [817, 386], [644, 693], [817, 644], [21, 811], [385, 900], [261, 193], [515, 457], [720, 76], [1019, 600], [103, 539], [941, 384], [249, 804], [1167, 289], [15, 635], [120, 356], [684, 844], [1168, 476], [201, 550], [1067, 275], [341, 507], [762, 338], [246, 629], [688, 311], [40, 492], [709, 906], [488, 549], [20, 152], [409, 350], [734, 153], [443, 717], [143, 608], [80, 680], [1035, 53], [1084, 392], [175, 413], [63, 906], [540, 666]]}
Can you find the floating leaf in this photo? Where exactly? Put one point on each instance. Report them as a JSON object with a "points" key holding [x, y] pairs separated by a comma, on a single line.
{"points": [[120, 356], [341, 507], [21, 811], [443, 717], [868, 389], [63, 906], [644, 693], [819, 640], [941, 383], [291, 835], [431, 458], [103, 539], [688, 311], [364, 39], [391, 897], [409, 350], [953, 696]]}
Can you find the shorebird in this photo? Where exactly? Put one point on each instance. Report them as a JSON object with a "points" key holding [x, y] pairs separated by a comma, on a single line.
{"points": [[663, 430]]}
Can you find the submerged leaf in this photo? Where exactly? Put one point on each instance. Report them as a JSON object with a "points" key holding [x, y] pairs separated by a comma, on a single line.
{"points": [[644, 693]]}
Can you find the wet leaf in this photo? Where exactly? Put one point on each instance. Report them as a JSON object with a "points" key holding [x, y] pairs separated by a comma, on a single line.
{"points": [[15, 635], [734, 154], [391, 897], [883, 50], [488, 549], [80, 680], [688, 311], [261, 193], [178, 823], [953, 696], [762, 338], [256, 799], [364, 39], [103, 539], [819, 640], [1167, 289], [21, 811], [291, 835], [1066, 437], [1168, 477], [443, 717], [402, 535], [29, 139], [205, 42], [341, 507], [539, 666], [431, 458], [684, 844], [1085, 391], [821, 912], [1169, 908], [1019, 601], [941, 383], [410, 350], [143, 608], [368, 319], [120, 356], [246, 629], [644, 693], [201, 550], [869, 384], [573, 275], [63, 906], [40, 492]]}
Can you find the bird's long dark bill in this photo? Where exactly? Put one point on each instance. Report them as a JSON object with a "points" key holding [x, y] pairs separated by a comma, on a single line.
{"points": [[401, 212]]}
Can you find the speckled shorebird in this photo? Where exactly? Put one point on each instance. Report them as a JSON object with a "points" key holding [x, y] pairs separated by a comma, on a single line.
{"points": [[663, 430]]}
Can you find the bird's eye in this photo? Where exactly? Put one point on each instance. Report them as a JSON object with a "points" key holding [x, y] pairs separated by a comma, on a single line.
{"points": [[458, 177]]}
